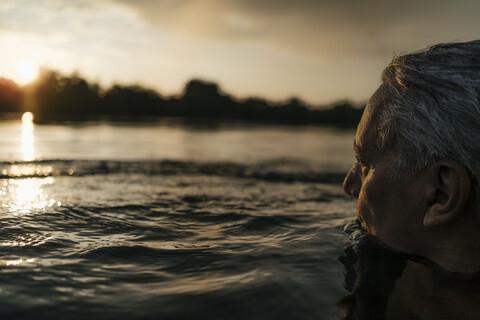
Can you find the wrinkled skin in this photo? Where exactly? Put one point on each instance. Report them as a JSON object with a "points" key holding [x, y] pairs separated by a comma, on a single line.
{"points": [[389, 203]]}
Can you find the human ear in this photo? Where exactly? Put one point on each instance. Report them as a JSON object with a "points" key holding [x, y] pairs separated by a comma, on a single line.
{"points": [[450, 189]]}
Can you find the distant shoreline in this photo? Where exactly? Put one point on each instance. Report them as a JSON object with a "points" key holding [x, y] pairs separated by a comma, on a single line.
{"points": [[203, 123], [55, 98]]}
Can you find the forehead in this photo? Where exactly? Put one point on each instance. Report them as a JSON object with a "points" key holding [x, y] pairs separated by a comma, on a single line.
{"points": [[366, 130]]}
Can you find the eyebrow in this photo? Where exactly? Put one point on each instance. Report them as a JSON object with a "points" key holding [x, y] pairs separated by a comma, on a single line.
{"points": [[359, 153], [356, 148]]}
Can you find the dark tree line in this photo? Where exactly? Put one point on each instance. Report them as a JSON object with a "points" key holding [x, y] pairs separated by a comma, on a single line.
{"points": [[11, 96], [55, 97]]}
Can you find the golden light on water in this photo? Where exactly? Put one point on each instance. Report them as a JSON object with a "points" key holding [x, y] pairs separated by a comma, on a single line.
{"points": [[28, 148], [24, 196], [25, 192], [25, 170], [28, 239], [17, 262]]}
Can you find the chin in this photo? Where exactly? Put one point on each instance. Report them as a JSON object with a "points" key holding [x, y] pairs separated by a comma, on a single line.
{"points": [[362, 223]]}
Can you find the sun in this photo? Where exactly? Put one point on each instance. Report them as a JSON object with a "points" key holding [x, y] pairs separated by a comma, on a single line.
{"points": [[26, 71]]}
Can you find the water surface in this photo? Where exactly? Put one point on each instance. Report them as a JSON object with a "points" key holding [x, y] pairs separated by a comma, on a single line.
{"points": [[161, 221]]}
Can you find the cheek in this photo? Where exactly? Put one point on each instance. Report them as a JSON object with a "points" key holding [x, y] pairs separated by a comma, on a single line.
{"points": [[364, 209], [372, 206]]}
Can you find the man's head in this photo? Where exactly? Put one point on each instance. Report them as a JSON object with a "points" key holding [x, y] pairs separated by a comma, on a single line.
{"points": [[418, 149]]}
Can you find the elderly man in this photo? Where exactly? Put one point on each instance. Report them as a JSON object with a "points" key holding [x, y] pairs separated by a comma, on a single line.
{"points": [[416, 179], [417, 169]]}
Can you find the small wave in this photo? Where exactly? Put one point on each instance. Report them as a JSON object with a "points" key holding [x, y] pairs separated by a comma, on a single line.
{"points": [[272, 171], [125, 254]]}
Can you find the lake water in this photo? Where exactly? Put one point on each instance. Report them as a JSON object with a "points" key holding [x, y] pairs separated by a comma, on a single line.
{"points": [[172, 221]]}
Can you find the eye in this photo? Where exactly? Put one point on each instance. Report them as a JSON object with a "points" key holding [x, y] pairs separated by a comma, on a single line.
{"points": [[363, 167], [361, 161], [365, 170], [361, 158]]}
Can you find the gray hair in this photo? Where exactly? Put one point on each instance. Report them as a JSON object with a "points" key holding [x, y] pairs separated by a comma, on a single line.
{"points": [[435, 111]]}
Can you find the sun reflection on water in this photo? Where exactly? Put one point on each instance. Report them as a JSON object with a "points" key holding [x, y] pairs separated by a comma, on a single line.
{"points": [[18, 262], [24, 196], [28, 239], [27, 170], [28, 148]]}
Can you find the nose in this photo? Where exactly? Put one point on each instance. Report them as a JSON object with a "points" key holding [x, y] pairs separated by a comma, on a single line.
{"points": [[352, 182]]}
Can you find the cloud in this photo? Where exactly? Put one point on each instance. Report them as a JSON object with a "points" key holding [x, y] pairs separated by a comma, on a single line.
{"points": [[323, 29], [318, 27]]}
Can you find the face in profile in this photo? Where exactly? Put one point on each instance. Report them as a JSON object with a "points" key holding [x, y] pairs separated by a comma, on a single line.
{"points": [[389, 204]]}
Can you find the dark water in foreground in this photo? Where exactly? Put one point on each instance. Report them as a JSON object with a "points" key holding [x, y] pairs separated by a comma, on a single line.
{"points": [[104, 221], [170, 240]]}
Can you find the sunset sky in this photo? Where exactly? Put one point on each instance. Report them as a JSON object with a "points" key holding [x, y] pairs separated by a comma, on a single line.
{"points": [[319, 50]]}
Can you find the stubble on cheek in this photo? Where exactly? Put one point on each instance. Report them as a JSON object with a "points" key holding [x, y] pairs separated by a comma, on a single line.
{"points": [[363, 216], [369, 209]]}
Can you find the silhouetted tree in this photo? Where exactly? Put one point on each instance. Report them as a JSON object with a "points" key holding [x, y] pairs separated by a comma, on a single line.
{"points": [[132, 101], [204, 99], [11, 96], [59, 97]]}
